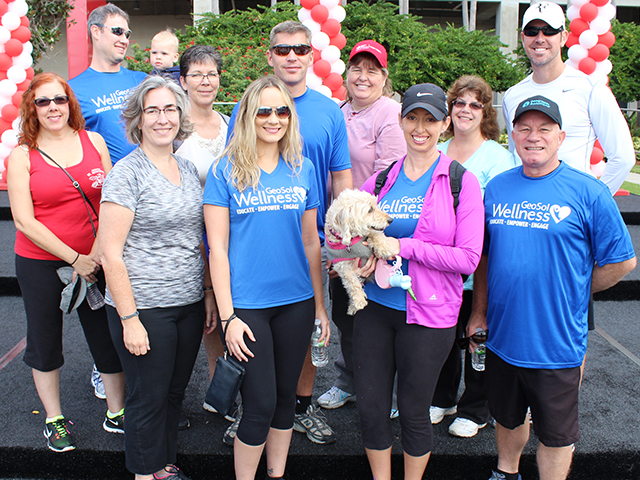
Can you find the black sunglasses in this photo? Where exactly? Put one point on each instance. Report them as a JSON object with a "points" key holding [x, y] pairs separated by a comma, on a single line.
{"points": [[45, 102], [547, 31], [472, 105], [480, 337], [281, 112], [117, 31], [299, 49]]}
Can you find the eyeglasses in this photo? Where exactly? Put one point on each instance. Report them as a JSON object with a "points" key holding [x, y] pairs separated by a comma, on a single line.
{"points": [[198, 77], [117, 31], [547, 31], [472, 105], [154, 112], [281, 112], [45, 102], [283, 50]]}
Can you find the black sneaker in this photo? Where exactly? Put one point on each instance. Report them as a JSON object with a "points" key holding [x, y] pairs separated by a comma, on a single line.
{"points": [[183, 422], [173, 473], [115, 424], [59, 439]]}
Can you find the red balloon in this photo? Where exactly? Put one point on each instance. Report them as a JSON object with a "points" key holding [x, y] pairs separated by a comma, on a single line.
{"points": [[30, 73], [596, 144], [572, 40], [13, 47], [322, 68], [587, 65], [10, 112], [4, 8], [341, 93], [599, 3], [23, 34], [3, 75], [331, 27], [5, 62], [24, 85], [24, 21], [339, 41], [4, 125], [599, 52], [316, 55], [607, 39], [588, 12], [16, 98], [596, 155], [577, 26], [309, 4], [333, 81], [320, 13]]}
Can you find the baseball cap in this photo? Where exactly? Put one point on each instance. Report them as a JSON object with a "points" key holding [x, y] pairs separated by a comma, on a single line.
{"points": [[374, 48], [548, 12], [539, 104], [427, 96]]}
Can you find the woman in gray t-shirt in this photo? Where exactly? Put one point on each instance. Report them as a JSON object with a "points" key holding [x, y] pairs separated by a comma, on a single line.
{"points": [[150, 242]]}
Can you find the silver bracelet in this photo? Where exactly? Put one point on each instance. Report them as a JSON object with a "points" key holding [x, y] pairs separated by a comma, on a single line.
{"points": [[127, 317]]}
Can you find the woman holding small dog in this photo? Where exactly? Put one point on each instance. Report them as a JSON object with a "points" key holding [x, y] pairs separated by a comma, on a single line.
{"points": [[260, 213], [438, 243]]}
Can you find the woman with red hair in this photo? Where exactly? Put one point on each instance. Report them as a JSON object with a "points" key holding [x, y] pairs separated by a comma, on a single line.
{"points": [[55, 178]]}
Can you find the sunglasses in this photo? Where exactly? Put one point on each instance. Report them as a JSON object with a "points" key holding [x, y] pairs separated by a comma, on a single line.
{"points": [[299, 49], [45, 102], [281, 112], [117, 31], [480, 337], [547, 31], [472, 105]]}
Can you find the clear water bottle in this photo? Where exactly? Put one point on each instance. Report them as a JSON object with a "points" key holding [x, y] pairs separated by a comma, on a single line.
{"points": [[94, 297], [319, 353], [478, 357]]}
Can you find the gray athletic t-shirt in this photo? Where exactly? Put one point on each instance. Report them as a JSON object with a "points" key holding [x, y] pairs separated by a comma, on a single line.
{"points": [[161, 252]]}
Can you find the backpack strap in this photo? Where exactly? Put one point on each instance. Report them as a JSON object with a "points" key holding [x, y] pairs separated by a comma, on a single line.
{"points": [[456, 170], [381, 179]]}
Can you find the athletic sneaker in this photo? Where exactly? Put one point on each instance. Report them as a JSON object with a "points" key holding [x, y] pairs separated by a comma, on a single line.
{"points": [[96, 382], [59, 439], [335, 398], [115, 424], [312, 423], [212, 409], [173, 473], [463, 427], [437, 413], [498, 476], [230, 434]]}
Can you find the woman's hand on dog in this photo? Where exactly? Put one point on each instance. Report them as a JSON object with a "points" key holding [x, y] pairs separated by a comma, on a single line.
{"points": [[367, 269], [234, 338]]}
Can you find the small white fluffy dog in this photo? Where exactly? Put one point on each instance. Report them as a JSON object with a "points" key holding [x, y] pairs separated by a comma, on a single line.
{"points": [[353, 218]]}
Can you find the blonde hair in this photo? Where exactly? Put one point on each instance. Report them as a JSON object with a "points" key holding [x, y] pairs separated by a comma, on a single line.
{"points": [[167, 36], [242, 150]]}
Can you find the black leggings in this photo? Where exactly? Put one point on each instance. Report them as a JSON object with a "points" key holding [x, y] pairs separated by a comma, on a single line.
{"points": [[269, 387], [382, 343]]}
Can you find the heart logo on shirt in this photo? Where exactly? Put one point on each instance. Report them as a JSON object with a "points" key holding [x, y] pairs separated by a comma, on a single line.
{"points": [[560, 213], [300, 192]]}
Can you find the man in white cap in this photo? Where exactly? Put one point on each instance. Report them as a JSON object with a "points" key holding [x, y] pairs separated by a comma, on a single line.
{"points": [[589, 109]]}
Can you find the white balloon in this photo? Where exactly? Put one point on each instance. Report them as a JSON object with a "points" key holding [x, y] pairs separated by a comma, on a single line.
{"points": [[608, 11], [4, 100], [600, 25], [19, 6], [23, 60], [338, 67], [338, 13], [598, 168], [27, 47], [1, 48], [577, 53], [304, 14], [312, 25], [573, 12], [5, 150], [7, 88], [330, 3], [579, 3], [604, 66], [331, 54], [11, 20], [320, 40], [337, 100], [326, 91], [313, 81], [9, 138], [588, 39], [17, 124], [571, 63], [16, 74], [5, 35]]}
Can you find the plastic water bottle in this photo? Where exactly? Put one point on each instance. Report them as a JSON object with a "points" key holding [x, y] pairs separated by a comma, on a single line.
{"points": [[94, 297], [319, 354], [478, 357]]}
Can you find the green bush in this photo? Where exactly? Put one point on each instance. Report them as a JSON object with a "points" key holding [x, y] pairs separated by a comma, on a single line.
{"points": [[624, 79], [46, 18]]}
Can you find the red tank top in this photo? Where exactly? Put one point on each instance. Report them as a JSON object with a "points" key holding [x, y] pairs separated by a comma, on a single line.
{"points": [[59, 206]]}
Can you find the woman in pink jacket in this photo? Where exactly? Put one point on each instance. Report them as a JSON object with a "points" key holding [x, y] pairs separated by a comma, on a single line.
{"points": [[437, 243]]}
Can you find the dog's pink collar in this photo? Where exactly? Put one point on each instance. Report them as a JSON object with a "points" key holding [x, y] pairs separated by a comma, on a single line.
{"points": [[336, 260], [342, 246]]}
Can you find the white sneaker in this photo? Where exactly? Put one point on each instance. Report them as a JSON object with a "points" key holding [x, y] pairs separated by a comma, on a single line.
{"points": [[437, 413], [96, 383], [335, 398], [463, 427]]}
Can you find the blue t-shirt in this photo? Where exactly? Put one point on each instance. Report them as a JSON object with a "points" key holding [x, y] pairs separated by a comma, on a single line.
{"points": [[543, 236], [267, 260], [324, 135], [404, 203], [102, 95]]}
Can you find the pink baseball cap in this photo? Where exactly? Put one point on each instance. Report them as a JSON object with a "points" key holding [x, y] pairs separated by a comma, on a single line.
{"points": [[374, 48]]}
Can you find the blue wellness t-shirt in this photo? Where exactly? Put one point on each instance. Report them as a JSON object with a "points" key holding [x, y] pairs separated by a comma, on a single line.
{"points": [[404, 203], [267, 260], [102, 96], [543, 236], [324, 135]]}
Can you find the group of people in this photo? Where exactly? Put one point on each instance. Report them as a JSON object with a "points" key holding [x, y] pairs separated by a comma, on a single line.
{"points": [[212, 229]]}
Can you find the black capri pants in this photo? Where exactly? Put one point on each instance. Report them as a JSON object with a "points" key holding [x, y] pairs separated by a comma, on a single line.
{"points": [[41, 291], [269, 387], [382, 343]]}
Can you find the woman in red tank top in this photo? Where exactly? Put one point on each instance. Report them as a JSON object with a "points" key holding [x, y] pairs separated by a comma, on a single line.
{"points": [[56, 228]]}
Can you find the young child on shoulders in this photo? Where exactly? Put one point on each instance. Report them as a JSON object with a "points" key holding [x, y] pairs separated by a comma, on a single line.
{"points": [[164, 55]]}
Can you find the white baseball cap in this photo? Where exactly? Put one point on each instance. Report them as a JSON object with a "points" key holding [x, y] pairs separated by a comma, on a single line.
{"points": [[548, 12]]}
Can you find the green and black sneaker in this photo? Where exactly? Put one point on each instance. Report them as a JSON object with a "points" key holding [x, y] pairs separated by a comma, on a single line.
{"points": [[114, 423], [59, 439]]}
